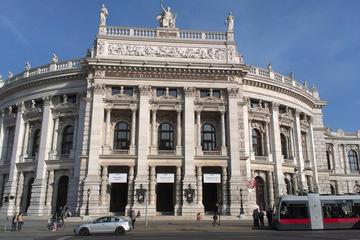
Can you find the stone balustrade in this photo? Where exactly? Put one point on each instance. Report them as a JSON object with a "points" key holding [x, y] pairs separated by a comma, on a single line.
{"points": [[280, 78], [52, 67]]}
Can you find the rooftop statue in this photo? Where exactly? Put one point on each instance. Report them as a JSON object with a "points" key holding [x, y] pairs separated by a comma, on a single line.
{"points": [[230, 22], [167, 18], [103, 15]]}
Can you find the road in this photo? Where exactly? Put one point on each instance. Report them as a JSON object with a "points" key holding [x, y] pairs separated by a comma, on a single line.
{"points": [[189, 230]]}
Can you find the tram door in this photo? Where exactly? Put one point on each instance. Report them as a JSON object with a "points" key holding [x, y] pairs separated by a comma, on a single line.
{"points": [[165, 193]]}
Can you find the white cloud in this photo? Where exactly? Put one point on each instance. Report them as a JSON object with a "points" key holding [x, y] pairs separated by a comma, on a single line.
{"points": [[6, 23]]}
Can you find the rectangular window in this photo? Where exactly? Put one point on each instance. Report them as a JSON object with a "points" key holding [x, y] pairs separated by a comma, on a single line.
{"points": [[160, 92], [293, 211]]}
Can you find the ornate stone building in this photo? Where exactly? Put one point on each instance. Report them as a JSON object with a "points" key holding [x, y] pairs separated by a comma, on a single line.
{"points": [[168, 119]]}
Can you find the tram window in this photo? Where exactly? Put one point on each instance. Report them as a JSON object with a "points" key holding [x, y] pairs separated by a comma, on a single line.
{"points": [[341, 209], [293, 211]]}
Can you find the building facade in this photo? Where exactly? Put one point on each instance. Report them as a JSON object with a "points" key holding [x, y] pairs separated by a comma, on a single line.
{"points": [[165, 119]]}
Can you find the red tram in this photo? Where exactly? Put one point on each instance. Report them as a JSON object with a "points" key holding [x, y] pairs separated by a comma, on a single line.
{"points": [[315, 212]]}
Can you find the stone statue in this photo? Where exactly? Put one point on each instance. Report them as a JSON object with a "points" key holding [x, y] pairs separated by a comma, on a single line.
{"points": [[27, 66], [269, 67], [167, 18], [54, 58], [103, 15], [10, 74], [230, 22]]}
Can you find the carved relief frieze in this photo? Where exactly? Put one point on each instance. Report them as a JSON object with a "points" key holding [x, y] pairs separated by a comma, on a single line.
{"points": [[100, 47], [100, 73], [233, 92], [102, 89], [145, 90], [166, 51], [258, 125], [190, 91], [260, 112]]}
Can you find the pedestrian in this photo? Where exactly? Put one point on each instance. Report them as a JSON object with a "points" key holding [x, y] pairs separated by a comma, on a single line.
{"points": [[256, 218], [14, 223], [138, 213], [198, 217], [215, 220], [269, 214], [133, 218], [20, 221], [261, 218]]}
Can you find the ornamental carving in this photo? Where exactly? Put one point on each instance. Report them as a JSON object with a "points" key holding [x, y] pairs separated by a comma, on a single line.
{"points": [[233, 92], [145, 90], [190, 91], [101, 89], [164, 51], [100, 73], [259, 126], [100, 48]]}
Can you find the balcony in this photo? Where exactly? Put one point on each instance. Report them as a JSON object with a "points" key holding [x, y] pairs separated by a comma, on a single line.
{"points": [[212, 153]]}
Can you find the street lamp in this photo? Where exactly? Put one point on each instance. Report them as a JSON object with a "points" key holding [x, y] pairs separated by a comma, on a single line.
{"points": [[241, 203], [87, 202]]}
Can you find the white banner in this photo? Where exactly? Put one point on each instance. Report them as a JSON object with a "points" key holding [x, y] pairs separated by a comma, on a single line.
{"points": [[117, 177], [212, 178], [165, 178]]}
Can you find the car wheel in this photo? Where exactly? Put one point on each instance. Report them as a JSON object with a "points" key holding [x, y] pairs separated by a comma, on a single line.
{"points": [[84, 232], [120, 231]]}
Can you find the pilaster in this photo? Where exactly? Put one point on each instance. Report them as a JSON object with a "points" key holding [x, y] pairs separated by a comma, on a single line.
{"points": [[300, 158]]}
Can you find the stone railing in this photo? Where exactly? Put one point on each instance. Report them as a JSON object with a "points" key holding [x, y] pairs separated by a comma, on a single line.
{"points": [[53, 67], [212, 153], [279, 78], [153, 33], [166, 152], [120, 151]]}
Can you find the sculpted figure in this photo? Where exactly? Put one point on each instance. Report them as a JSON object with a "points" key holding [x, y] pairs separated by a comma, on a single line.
{"points": [[103, 15], [167, 18], [230, 22]]}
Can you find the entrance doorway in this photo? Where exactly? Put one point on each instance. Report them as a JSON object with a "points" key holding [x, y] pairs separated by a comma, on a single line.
{"points": [[260, 193], [118, 197], [62, 192], [165, 198], [210, 200], [28, 195]]}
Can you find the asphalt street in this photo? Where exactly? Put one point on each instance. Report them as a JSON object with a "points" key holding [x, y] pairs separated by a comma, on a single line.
{"points": [[189, 230]]}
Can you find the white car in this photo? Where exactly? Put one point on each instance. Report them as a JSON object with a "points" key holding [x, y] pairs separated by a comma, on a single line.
{"points": [[112, 224]]}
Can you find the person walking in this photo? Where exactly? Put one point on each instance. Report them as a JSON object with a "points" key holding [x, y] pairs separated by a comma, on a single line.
{"points": [[261, 218], [215, 220], [269, 214], [20, 221], [14, 223], [133, 218], [256, 218]]}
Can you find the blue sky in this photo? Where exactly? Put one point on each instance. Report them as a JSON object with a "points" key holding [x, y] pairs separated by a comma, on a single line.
{"points": [[319, 40]]}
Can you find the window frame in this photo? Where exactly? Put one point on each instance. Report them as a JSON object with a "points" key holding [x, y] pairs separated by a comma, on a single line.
{"points": [[208, 144], [166, 143], [66, 141], [119, 142]]}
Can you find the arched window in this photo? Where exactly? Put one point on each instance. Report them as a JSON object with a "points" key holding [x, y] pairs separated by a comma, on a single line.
{"points": [[122, 136], [67, 139], [353, 160], [257, 142], [166, 136], [36, 143], [328, 158], [284, 146], [208, 137]]}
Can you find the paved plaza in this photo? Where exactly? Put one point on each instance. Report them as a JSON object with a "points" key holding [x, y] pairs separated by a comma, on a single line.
{"points": [[170, 228]]}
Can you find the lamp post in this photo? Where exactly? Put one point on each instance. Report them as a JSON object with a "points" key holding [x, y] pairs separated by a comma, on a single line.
{"points": [[241, 203], [87, 202]]}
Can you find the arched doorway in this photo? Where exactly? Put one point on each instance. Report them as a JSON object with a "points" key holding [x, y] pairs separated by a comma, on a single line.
{"points": [[62, 192], [260, 193], [28, 195]]}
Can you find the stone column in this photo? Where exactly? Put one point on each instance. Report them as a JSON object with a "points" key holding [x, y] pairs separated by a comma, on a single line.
{"points": [[268, 149], [153, 132], [178, 191], [314, 160], [300, 157], [152, 196], [277, 154], [108, 125], [55, 137], [19, 199], [199, 151], [235, 182], [189, 149], [26, 141], [142, 177], [49, 191], [292, 148], [92, 179], [104, 184], [11, 186], [199, 182], [223, 132], [74, 138], [133, 130], [224, 207], [178, 132], [130, 189], [37, 205], [2, 135], [269, 180]]}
